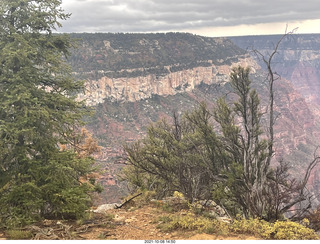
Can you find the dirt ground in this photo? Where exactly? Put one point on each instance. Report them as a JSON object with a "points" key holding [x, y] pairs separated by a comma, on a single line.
{"points": [[120, 224], [141, 224]]}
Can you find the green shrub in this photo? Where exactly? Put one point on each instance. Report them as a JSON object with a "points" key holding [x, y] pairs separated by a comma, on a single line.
{"points": [[145, 197], [251, 226], [19, 234], [190, 221], [280, 230], [288, 230]]}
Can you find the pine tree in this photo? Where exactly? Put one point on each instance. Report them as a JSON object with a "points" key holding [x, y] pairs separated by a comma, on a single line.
{"points": [[38, 112]]}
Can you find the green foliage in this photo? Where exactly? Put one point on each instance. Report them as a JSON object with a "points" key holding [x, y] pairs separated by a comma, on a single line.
{"points": [[222, 155], [288, 230], [190, 221], [166, 207], [183, 156], [280, 230], [19, 234], [244, 144], [139, 179], [145, 198], [252, 226], [178, 195], [189, 218], [38, 114]]}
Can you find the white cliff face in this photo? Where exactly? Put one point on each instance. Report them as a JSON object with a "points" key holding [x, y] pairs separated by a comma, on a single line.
{"points": [[142, 87]]}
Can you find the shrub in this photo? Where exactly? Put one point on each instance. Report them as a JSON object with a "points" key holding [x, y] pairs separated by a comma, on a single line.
{"points": [[147, 196], [280, 230], [314, 219], [288, 230], [251, 226], [178, 195], [192, 222], [19, 234]]}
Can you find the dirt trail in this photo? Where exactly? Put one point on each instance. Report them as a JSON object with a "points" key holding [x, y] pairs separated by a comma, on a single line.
{"points": [[131, 225]]}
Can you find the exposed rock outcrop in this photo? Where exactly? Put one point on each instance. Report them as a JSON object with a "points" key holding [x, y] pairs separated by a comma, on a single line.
{"points": [[136, 88]]}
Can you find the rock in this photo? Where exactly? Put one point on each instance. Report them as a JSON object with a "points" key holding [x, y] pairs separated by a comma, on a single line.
{"points": [[208, 203], [219, 210], [224, 219], [105, 207], [132, 219], [47, 222], [173, 200], [118, 218], [137, 88]]}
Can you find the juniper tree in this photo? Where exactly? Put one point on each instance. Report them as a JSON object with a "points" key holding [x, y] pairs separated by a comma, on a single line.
{"points": [[244, 142], [259, 189], [180, 156], [38, 112]]}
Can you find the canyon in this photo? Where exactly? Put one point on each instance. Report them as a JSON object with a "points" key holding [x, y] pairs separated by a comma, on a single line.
{"points": [[132, 80]]}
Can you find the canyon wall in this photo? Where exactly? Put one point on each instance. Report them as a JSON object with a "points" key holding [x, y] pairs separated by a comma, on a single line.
{"points": [[137, 88]]}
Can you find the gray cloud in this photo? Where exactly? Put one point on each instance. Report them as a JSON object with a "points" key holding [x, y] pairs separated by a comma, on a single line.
{"points": [[177, 15]]}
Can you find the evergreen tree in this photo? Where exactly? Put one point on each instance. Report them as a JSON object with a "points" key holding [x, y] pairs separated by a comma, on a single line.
{"points": [[245, 143], [38, 112], [258, 189], [184, 155]]}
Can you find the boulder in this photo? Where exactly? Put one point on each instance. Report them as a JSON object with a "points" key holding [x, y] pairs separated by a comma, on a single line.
{"points": [[105, 207]]}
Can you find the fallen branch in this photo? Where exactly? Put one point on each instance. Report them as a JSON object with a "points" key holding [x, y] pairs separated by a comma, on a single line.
{"points": [[120, 206]]}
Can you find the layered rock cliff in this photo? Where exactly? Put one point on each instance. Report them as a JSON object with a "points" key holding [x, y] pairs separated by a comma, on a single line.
{"points": [[142, 87], [131, 67]]}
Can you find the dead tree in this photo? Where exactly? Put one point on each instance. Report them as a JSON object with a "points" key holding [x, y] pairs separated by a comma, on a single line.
{"points": [[271, 78], [282, 185]]}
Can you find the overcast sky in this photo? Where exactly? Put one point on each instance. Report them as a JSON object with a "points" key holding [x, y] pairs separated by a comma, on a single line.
{"points": [[203, 17]]}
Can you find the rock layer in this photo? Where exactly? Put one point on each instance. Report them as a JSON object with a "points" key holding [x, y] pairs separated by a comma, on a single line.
{"points": [[137, 88]]}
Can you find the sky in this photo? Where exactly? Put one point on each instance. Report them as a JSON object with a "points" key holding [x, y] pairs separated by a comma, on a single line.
{"points": [[202, 17]]}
